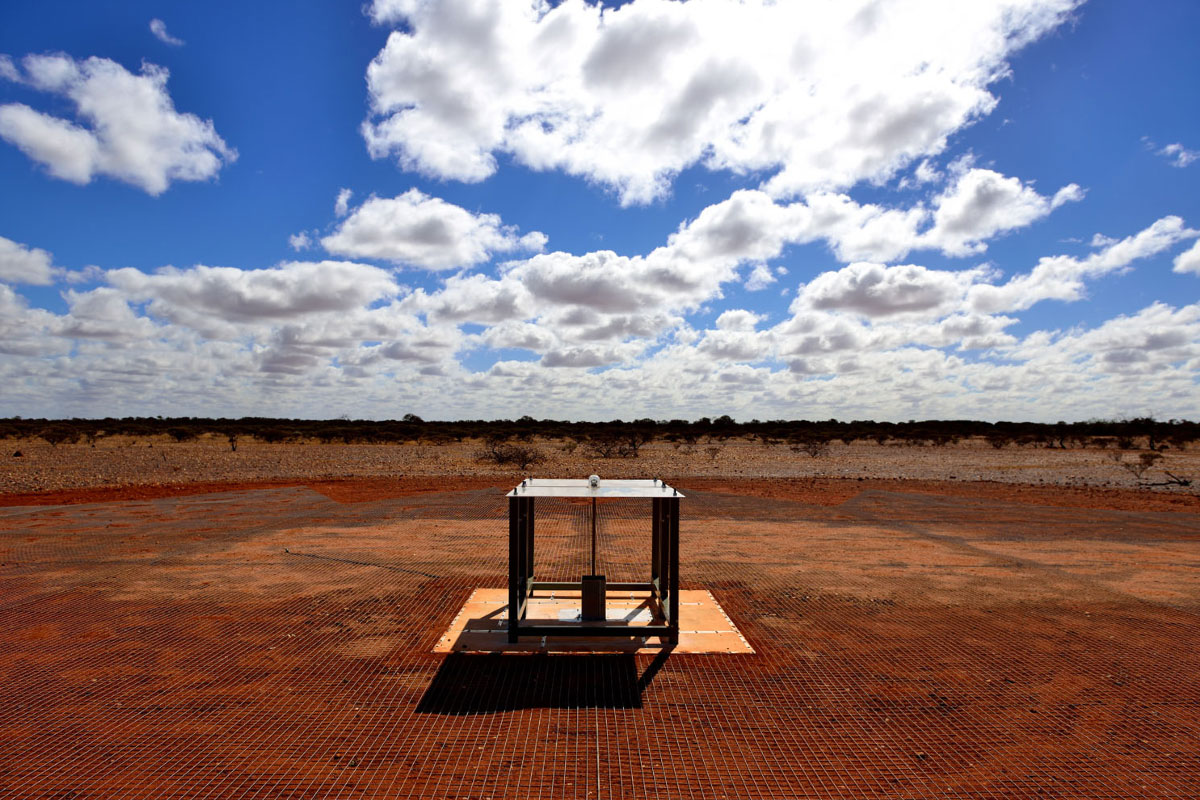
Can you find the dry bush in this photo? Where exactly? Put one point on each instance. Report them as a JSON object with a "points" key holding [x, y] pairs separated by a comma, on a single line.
{"points": [[813, 446], [618, 445], [1173, 480], [1139, 466], [504, 453], [604, 446], [1144, 462], [59, 434], [182, 434]]}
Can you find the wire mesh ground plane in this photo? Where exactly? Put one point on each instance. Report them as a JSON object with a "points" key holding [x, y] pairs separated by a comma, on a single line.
{"points": [[276, 643]]}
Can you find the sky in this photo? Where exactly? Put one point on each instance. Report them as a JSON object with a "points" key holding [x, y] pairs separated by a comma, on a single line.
{"points": [[469, 209]]}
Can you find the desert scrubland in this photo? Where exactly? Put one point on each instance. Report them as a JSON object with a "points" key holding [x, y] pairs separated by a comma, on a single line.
{"points": [[31, 465]]}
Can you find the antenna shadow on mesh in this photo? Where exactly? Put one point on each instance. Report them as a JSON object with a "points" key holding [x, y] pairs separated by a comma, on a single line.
{"points": [[489, 683]]}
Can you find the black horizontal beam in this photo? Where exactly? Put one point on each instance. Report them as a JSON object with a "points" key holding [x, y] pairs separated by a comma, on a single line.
{"points": [[612, 587], [574, 629]]}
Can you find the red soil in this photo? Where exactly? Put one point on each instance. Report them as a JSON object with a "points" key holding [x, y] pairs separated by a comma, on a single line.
{"points": [[343, 490], [835, 491]]}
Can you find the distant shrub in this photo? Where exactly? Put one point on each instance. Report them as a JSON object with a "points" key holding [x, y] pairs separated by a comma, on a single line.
{"points": [[343, 434], [504, 453], [182, 434], [439, 438], [813, 445], [1137, 467], [604, 446], [274, 435], [60, 434], [623, 444]]}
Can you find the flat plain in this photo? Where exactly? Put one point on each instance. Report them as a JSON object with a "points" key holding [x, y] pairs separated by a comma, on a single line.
{"points": [[950, 622]]}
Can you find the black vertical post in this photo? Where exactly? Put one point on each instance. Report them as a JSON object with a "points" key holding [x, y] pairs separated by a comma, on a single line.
{"points": [[527, 537], [673, 547], [655, 545], [529, 544], [522, 551], [664, 559], [593, 572], [514, 566], [664, 554]]}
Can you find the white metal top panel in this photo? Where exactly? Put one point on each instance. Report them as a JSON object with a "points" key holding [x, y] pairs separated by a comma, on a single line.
{"points": [[579, 487]]}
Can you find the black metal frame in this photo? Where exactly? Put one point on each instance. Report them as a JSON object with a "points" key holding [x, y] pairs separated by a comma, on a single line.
{"points": [[663, 585]]}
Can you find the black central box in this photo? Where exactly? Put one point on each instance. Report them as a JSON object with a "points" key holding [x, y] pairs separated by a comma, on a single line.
{"points": [[593, 598]]}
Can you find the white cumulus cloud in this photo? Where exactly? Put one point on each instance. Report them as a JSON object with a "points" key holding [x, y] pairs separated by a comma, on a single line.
{"points": [[1062, 277], [8, 70], [130, 129], [1158, 343], [103, 314], [300, 241], [760, 278], [215, 299], [159, 29], [1189, 260], [425, 231], [984, 203], [24, 331], [1178, 155], [875, 290], [22, 264], [630, 96], [979, 205], [474, 298]]}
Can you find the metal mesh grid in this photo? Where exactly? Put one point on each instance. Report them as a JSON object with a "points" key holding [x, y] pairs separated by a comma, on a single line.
{"points": [[563, 544], [276, 644]]}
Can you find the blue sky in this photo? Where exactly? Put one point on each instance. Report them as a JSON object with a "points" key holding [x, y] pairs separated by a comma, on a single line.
{"points": [[476, 208]]}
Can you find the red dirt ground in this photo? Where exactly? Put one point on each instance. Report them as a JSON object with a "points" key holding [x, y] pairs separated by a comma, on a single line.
{"points": [[913, 640], [347, 490]]}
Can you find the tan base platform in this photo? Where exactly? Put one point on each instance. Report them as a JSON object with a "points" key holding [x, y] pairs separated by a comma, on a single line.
{"points": [[482, 625]]}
